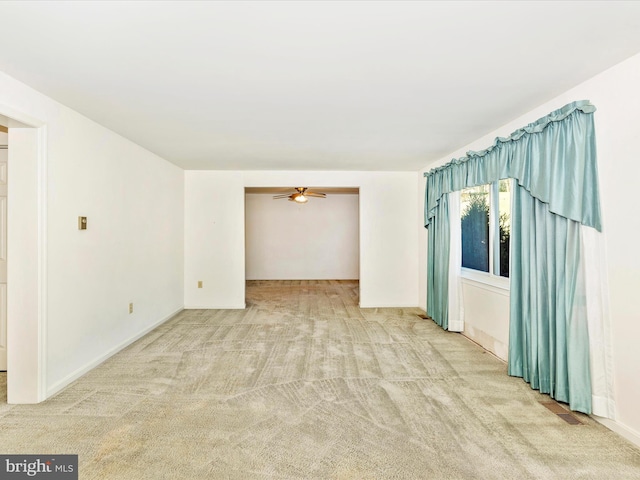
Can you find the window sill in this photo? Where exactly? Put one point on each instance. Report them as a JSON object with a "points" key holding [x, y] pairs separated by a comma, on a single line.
{"points": [[486, 281]]}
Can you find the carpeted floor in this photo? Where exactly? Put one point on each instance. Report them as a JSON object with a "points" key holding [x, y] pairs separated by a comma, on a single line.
{"points": [[305, 385]]}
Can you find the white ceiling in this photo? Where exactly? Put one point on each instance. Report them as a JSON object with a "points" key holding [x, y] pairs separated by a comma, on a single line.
{"points": [[310, 85]]}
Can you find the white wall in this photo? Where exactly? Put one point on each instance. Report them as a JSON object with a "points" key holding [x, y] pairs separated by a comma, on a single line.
{"points": [[484, 321], [312, 241], [214, 240], [214, 233], [131, 252], [616, 96]]}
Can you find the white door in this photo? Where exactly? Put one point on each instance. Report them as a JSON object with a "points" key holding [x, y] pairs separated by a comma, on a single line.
{"points": [[3, 251]]}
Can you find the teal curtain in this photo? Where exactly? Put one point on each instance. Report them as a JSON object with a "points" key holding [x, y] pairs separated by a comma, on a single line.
{"points": [[553, 162], [438, 265], [553, 158], [548, 346]]}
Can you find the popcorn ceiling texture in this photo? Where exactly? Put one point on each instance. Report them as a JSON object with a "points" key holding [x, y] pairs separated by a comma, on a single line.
{"points": [[303, 384]]}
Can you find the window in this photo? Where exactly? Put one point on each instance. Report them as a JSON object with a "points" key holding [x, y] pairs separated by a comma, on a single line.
{"points": [[486, 227]]}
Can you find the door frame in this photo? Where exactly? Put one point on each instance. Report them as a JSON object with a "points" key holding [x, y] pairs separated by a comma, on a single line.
{"points": [[279, 188], [3, 247], [26, 258]]}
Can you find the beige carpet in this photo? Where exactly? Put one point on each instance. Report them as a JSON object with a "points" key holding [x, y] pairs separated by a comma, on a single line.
{"points": [[305, 385]]}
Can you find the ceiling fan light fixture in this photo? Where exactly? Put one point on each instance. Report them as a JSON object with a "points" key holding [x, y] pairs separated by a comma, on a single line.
{"points": [[301, 195]]}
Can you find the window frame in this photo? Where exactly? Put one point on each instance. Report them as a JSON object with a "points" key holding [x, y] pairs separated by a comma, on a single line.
{"points": [[490, 280]]}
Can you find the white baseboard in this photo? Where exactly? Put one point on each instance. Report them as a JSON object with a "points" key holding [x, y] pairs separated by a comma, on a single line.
{"points": [[486, 341], [389, 305], [55, 388], [622, 430], [236, 306]]}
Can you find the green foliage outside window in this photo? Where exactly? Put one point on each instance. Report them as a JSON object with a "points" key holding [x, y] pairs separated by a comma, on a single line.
{"points": [[475, 233], [505, 235]]}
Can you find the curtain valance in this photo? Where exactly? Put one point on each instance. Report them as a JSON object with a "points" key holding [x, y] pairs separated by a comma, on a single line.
{"points": [[554, 158]]}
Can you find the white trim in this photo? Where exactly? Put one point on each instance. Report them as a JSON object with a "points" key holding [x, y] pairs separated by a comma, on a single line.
{"points": [[97, 361], [3, 326], [391, 305], [486, 281], [238, 306], [42, 262], [494, 203], [19, 119], [490, 278], [29, 386], [620, 429]]}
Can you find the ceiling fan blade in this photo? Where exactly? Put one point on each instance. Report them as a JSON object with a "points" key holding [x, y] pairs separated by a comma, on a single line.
{"points": [[300, 192]]}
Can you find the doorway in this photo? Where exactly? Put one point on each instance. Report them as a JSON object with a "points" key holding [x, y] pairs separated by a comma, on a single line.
{"points": [[316, 240]]}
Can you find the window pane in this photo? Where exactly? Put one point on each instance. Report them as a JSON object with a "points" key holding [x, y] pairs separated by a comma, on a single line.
{"points": [[474, 205], [504, 205]]}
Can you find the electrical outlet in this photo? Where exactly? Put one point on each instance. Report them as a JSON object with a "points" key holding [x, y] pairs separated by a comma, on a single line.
{"points": [[131, 308], [199, 283]]}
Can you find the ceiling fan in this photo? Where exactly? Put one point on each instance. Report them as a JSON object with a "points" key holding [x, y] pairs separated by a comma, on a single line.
{"points": [[301, 195]]}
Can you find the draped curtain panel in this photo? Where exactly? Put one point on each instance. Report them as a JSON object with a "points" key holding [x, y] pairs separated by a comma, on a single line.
{"points": [[438, 265], [553, 161], [548, 344]]}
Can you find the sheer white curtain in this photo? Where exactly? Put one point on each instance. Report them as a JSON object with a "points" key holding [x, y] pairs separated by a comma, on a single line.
{"points": [[456, 303], [596, 309]]}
